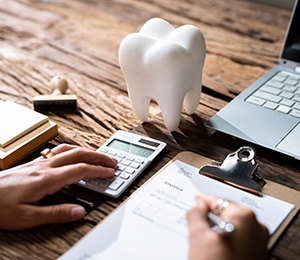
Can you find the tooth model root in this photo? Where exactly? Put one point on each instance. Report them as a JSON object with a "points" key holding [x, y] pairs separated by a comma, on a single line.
{"points": [[140, 106], [164, 64]]}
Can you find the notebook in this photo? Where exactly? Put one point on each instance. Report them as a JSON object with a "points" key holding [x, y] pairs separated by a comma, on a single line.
{"points": [[267, 113], [17, 121], [22, 131]]}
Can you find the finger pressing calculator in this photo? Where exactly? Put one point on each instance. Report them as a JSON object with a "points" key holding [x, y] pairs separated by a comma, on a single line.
{"points": [[133, 152]]}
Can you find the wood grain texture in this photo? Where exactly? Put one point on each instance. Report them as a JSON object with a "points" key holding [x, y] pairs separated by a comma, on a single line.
{"points": [[80, 39]]}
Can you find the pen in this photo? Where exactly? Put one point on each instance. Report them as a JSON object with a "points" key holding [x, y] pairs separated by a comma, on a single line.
{"points": [[219, 225]]}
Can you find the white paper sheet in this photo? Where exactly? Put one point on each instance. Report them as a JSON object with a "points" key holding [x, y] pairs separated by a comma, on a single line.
{"points": [[152, 223]]}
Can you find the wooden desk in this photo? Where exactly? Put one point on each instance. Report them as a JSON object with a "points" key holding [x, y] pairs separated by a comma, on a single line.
{"points": [[80, 40]]}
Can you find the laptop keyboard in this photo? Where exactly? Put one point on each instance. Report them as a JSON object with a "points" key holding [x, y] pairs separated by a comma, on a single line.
{"points": [[280, 93]]}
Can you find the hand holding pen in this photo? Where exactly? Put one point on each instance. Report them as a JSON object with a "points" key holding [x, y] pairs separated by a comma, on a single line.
{"points": [[219, 229]]}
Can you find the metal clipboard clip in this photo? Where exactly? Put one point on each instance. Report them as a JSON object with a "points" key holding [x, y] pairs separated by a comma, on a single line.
{"points": [[239, 169]]}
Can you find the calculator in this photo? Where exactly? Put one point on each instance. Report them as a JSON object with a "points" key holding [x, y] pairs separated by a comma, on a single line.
{"points": [[133, 152]]}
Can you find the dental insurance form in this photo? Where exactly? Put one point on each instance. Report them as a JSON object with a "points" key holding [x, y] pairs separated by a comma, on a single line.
{"points": [[151, 224]]}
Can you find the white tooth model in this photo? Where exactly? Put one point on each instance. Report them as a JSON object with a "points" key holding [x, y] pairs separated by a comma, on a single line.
{"points": [[165, 64]]}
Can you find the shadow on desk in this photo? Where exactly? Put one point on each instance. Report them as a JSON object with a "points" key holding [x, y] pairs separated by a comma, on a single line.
{"points": [[193, 135]]}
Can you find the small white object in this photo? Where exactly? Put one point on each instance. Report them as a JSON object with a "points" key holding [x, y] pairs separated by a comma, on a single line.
{"points": [[165, 64], [58, 85]]}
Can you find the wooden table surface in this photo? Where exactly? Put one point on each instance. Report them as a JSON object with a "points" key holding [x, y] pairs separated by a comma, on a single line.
{"points": [[80, 40]]}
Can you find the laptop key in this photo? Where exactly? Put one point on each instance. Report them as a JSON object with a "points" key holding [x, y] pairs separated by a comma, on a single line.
{"points": [[270, 105], [275, 84], [287, 102], [296, 106], [296, 98], [286, 94], [290, 88], [256, 100], [270, 89], [295, 113], [267, 96], [283, 109], [292, 82], [279, 77]]}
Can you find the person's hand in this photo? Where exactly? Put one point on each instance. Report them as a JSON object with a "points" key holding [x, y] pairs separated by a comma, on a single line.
{"points": [[22, 186], [248, 241]]}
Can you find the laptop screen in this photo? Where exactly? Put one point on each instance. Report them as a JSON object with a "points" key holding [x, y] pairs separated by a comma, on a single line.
{"points": [[291, 50]]}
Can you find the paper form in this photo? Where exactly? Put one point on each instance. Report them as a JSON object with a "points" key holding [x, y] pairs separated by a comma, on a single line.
{"points": [[152, 223]]}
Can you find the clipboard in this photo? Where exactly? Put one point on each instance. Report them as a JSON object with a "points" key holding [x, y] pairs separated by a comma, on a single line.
{"points": [[135, 231], [270, 188]]}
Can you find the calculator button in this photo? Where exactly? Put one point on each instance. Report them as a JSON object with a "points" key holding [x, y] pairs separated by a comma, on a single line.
{"points": [[116, 184], [103, 150], [121, 167], [112, 153], [135, 165], [121, 155], [117, 173], [124, 176], [130, 170], [104, 183], [94, 181], [130, 158], [140, 161], [82, 182], [125, 162], [117, 157]]}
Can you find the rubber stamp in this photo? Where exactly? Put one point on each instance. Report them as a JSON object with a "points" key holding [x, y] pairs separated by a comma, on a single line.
{"points": [[58, 101]]}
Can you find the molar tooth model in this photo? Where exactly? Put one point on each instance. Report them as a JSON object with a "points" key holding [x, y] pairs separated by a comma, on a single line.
{"points": [[165, 64]]}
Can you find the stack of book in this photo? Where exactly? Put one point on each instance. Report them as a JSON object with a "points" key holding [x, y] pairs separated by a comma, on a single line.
{"points": [[22, 131]]}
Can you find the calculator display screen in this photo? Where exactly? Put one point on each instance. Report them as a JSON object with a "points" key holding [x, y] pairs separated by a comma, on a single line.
{"points": [[130, 148]]}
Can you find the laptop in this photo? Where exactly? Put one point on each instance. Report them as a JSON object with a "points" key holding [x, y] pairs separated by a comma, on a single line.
{"points": [[267, 113]]}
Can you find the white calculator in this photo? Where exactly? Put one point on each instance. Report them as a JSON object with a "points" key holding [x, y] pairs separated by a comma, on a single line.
{"points": [[133, 152]]}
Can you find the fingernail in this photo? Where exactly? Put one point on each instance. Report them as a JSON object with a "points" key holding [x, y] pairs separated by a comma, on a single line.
{"points": [[112, 170], [114, 159], [77, 213], [198, 200]]}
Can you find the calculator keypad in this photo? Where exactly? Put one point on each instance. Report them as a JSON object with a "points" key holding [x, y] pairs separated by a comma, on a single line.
{"points": [[128, 168]]}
